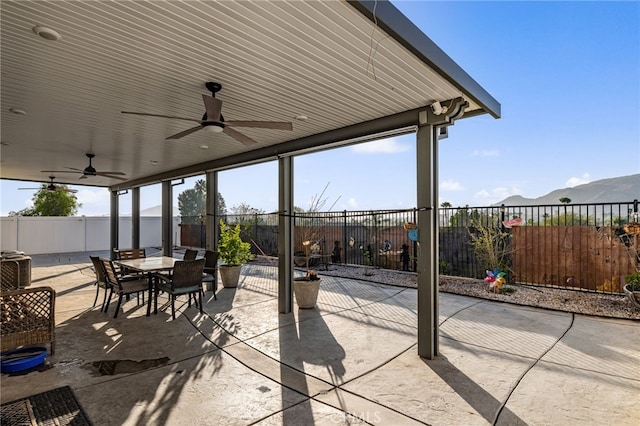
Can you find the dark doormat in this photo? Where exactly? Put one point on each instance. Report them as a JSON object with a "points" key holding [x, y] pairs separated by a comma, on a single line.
{"points": [[52, 408]]}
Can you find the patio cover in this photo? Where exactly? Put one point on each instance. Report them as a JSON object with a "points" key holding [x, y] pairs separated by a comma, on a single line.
{"points": [[340, 64], [356, 70]]}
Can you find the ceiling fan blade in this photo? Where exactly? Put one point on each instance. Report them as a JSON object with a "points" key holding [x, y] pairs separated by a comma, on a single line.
{"points": [[185, 133], [62, 171], [213, 107], [246, 140], [161, 116], [112, 175], [29, 188], [278, 125]]}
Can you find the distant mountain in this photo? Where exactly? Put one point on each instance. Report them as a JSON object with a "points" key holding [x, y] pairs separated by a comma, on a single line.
{"points": [[613, 190]]}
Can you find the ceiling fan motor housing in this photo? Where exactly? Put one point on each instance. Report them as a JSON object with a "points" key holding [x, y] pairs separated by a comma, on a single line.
{"points": [[213, 126]]}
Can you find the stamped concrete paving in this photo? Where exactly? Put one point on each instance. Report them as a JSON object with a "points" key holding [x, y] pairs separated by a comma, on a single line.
{"points": [[353, 359]]}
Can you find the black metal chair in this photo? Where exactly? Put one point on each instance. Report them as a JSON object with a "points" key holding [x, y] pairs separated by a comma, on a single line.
{"points": [[124, 286], [211, 270], [186, 279]]}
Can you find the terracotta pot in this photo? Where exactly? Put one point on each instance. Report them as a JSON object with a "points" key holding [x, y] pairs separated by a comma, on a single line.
{"points": [[306, 293], [230, 275]]}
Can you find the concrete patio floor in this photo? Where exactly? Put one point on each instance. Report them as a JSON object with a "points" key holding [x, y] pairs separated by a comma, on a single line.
{"points": [[351, 360]]}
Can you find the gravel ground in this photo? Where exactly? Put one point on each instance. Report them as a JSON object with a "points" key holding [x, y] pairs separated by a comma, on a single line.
{"points": [[603, 305]]}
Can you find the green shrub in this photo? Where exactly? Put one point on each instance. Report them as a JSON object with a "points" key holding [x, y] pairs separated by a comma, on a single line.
{"points": [[233, 251], [633, 280]]}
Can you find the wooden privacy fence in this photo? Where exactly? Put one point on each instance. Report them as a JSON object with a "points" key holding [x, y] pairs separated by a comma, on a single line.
{"points": [[587, 257]]}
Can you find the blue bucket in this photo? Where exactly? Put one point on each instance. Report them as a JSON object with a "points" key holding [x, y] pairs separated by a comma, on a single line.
{"points": [[22, 359]]}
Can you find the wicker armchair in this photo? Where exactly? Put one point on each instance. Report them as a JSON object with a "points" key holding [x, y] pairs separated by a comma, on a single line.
{"points": [[9, 275], [15, 272], [27, 318]]}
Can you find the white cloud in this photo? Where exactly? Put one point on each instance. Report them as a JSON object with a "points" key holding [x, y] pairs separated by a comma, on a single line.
{"points": [[382, 146], [496, 194], [575, 181], [94, 201], [450, 185], [352, 203], [486, 153], [482, 195]]}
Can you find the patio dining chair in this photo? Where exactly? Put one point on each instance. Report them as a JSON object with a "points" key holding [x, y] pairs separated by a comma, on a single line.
{"points": [[186, 279], [211, 270], [190, 254], [101, 281], [124, 286], [126, 254]]}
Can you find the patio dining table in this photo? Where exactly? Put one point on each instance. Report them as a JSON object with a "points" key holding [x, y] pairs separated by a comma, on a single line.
{"points": [[149, 265]]}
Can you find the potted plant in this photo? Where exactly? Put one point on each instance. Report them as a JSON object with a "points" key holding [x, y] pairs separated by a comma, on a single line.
{"points": [[632, 287], [233, 253], [306, 288]]}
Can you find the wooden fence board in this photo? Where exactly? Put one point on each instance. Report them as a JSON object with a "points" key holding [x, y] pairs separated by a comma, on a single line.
{"points": [[586, 257]]}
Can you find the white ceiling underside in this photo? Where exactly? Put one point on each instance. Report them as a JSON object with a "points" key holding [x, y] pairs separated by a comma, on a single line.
{"points": [[275, 60]]}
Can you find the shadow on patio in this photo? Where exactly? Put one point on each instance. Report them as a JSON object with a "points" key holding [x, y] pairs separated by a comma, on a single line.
{"points": [[351, 359]]}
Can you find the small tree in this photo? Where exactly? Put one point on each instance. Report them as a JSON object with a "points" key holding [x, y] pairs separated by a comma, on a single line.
{"points": [[309, 225], [243, 212], [491, 246], [446, 206], [192, 203], [51, 203]]}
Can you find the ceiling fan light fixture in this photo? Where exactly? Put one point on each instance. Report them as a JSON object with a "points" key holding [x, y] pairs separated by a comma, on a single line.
{"points": [[213, 128], [47, 33]]}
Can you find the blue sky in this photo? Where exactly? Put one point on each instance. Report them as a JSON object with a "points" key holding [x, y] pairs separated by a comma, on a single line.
{"points": [[566, 74]]}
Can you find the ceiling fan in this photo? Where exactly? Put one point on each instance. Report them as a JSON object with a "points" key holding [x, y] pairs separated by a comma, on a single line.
{"points": [[213, 121], [53, 188], [89, 171]]}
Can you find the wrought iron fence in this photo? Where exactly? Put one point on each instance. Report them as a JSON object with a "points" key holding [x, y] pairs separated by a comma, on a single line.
{"points": [[371, 238], [579, 246]]}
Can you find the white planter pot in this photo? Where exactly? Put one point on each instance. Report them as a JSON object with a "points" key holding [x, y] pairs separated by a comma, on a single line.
{"points": [[306, 293], [230, 275], [634, 296]]}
